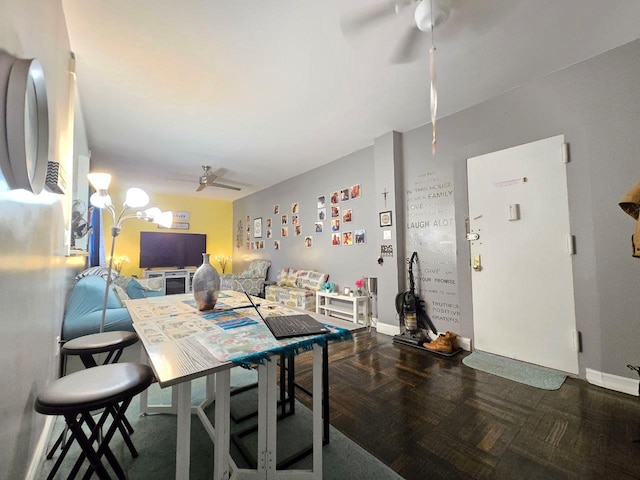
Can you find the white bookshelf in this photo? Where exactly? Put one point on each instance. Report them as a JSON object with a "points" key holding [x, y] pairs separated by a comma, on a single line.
{"points": [[345, 307]]}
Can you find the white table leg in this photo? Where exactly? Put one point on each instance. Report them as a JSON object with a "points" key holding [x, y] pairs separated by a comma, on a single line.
{"points": [[317, 412], [222, 425], [183, 435], [267, 418]]}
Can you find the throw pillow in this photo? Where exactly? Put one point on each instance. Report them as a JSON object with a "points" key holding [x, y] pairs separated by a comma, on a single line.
{"points": [[303, 275], [135, 290], [100, 271], [292, 277], [281, 276], [314, 280]]}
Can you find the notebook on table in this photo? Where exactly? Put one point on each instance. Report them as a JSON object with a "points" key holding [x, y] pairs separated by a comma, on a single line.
{"points": [[287, 326]]}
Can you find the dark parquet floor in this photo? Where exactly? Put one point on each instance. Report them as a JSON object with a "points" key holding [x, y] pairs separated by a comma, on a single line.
{"points": [[431, 417]]}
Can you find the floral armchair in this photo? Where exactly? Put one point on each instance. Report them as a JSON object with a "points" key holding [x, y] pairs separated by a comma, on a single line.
{"points": [[251, 279]]}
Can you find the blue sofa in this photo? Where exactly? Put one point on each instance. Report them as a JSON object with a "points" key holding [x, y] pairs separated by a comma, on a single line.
{"points": [[84, 310]]}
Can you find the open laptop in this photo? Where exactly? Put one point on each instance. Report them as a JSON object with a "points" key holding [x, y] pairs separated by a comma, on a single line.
{"points": [[287, 326]]}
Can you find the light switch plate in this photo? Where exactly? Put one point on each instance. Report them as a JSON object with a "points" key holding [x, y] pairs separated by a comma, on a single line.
{"points": [[386, 234]]}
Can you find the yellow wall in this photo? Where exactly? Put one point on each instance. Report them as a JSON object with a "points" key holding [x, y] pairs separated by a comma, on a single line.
{"points": [[212, 217]]}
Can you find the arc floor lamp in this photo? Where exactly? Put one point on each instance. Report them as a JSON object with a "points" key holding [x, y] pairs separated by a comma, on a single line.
{"points": [[135, 198]]}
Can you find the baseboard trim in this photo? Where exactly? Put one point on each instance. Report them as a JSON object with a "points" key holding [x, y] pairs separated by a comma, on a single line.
{"points": [[612, 382], [386, 329], [41, 448]]}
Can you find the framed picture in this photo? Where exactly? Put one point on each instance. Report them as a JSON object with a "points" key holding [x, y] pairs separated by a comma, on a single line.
{"points": [[346, 291], [360, 237], [321, 201], [385, 219], [257, 227], [355, 191]]}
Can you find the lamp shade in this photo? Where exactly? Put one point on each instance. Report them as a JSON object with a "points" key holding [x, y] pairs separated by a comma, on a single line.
{"points": [[136, 198], [152, 213], [165, 219], [100, 200], [99, 181]]}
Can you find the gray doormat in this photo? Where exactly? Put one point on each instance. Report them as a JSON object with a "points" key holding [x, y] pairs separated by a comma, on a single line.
{"points": [[521, 372]]}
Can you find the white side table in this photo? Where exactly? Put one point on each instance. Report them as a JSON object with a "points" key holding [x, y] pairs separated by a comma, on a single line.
{"points": [[355, 309]]}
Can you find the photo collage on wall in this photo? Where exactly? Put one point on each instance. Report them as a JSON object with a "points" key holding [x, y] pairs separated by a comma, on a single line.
{"points": [[335, 215], [339, 216], [257, 243]]}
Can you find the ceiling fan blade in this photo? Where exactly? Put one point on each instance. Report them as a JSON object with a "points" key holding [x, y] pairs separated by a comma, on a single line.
{"points": [[407, 50], [201, 187], [222, 185], [358, 22]]}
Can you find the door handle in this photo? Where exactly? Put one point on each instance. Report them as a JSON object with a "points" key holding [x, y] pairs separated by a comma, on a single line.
{"points": [[477, 264]]}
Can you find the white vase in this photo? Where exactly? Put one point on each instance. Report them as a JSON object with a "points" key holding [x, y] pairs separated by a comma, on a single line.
{"points": [[205, 285]]}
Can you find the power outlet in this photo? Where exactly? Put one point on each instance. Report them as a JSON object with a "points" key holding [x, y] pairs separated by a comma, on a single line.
{"points": [[56, 348]]}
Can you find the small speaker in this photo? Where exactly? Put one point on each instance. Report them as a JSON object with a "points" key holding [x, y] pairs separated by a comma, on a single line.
{"points": [[55, 179]]}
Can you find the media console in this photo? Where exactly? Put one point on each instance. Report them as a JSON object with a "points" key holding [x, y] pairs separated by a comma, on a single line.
{"points": [[177, 280]]}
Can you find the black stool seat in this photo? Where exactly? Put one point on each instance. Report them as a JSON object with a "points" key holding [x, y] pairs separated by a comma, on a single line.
{"points": [[99, 342], [106, 387], [111, 343], [94, 388]]}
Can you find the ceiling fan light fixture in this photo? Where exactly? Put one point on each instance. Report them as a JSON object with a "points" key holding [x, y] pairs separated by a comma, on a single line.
{"points": [[430, 13]]}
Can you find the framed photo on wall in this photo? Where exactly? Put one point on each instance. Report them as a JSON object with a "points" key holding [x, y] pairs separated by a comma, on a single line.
{"points": [[257, 227], [385, 219]]}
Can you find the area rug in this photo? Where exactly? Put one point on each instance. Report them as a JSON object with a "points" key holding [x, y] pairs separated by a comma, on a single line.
{"points": [[155, 440], [521, 372]]}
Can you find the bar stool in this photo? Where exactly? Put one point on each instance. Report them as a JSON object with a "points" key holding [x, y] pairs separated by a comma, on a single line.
{"points": [[75, 396], [112, 343], [89, 345]]}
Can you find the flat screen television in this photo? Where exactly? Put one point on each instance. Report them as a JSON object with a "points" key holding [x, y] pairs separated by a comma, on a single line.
{"points": [[163, 249]]}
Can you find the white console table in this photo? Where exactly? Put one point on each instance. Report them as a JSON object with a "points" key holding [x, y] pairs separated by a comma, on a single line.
{"points": [[177, 280], [346, 307]]}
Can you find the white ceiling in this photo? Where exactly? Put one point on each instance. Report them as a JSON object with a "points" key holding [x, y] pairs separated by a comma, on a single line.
{"points": [[269, 89]]}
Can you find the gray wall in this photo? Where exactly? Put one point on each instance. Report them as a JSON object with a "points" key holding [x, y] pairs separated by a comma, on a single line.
{"points": [[34, 272], [596, 104], [345, 264]]}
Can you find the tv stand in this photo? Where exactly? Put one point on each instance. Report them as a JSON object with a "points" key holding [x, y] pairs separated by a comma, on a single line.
{"points": [[176, 280]]}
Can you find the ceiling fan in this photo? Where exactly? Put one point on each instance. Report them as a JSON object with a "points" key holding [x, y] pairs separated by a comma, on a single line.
{"points": [[208, 179], [427, 15]]}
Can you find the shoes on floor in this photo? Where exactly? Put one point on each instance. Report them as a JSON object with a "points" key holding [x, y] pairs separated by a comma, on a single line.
{"points": [[453, 337], [440, 344], [446, 343]]}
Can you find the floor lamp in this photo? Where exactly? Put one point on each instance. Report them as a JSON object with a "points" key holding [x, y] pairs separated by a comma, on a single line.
{"points": [[135, 198]]}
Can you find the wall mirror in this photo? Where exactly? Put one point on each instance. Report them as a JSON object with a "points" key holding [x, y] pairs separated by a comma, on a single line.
{"points": [[25, 122]]}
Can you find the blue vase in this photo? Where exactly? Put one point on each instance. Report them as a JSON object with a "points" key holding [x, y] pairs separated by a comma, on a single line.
{"points": [[205, 285]]}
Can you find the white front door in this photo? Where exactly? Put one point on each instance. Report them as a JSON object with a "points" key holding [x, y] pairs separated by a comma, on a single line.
{"points": [[522, 280]]}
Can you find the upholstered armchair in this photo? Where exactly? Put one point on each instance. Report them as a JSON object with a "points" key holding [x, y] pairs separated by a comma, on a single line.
{"points": [[251, 279]]}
